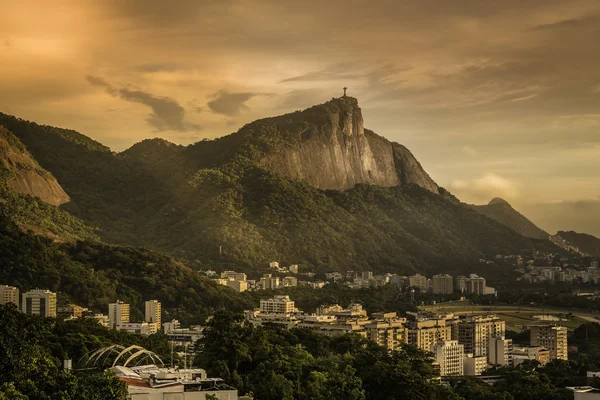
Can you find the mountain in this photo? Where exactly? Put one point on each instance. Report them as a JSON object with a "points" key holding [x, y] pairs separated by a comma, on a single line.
{"points": [[24, 175], [587, 244], [312, 187], [500, 210]]}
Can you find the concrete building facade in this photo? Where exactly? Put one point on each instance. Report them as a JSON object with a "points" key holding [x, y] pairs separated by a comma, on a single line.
{"points": [[39, 302]]}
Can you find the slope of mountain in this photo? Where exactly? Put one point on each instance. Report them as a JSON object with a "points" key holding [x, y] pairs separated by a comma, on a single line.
{"points": [[257, 195], [587, 244], [24, 175], [501, 211]]}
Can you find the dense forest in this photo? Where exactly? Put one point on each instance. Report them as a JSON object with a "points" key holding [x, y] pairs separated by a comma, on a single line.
{"points": [[275, 364], [210, 202]]}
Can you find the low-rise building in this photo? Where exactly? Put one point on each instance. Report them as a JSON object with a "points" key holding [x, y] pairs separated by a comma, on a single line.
{"points": [[39, 302], [521, 354], [238, 286]]}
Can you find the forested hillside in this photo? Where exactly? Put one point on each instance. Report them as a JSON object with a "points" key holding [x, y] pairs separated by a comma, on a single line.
{"points": [[218, 202]]}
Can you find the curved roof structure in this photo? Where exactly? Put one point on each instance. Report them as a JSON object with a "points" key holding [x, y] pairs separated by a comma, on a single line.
{"points": [[117, 355]]}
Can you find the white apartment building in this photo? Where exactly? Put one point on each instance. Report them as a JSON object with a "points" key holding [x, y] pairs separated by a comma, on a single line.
{"points": [[442, 284], [418, 281], [233, 276], [461, 284], [450, 355], [39, 302], [118, 313], [9, 294], [277, 305], [476, 284]]}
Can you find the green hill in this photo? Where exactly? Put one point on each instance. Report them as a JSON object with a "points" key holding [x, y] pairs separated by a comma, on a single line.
{"points": [[260, 195], [587, 243], [501, 211]]}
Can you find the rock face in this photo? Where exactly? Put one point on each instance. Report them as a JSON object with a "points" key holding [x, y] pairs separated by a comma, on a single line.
{"points": [[331, 149], [501, 211], [23, 174]]}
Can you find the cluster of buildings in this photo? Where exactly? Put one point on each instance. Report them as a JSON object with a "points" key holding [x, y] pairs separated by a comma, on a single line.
{"points": [[239, 281], [34, 302], [464, 345], [447, 284], [118, 318], [553, 274]]}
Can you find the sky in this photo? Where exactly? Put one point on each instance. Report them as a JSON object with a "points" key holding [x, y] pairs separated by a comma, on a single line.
{"points": [[495, 99]]}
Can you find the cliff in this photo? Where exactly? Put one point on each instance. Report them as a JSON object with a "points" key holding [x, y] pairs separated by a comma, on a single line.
{"points": [[328, 146], [24, 175]]}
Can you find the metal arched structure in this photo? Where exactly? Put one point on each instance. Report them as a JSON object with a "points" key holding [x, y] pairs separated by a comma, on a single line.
{"points": [[110, 356]]}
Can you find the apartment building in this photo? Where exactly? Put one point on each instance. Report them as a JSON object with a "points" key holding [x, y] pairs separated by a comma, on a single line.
{"points": [[9, 294], [552, 337], [118, 313], [39, 302], [449, 354], [424, 334], [474, 332], [442, 284]]}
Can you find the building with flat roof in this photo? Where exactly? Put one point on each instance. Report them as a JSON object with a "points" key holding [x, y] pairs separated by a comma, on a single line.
{"points": [[418, 281], [39, 302], [424, 334], [474, 332], [118, 313], [500, 351], [521, 354], [9, 294], [153, 312], [474, 365], [449, 354], [387, 330], [442, 284], [552, 337]]}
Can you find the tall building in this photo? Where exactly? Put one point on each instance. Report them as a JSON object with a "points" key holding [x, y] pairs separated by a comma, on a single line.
{"points": [[277, 305], [418, 281], [552, 337], [387, 330], [153, 312], [9, 294], [443, 284], [450, 355], [500, 351], [39, 302], [461, 284], [474, 365], [474, 332], [118, 313], [476, 284], [424, 334]]}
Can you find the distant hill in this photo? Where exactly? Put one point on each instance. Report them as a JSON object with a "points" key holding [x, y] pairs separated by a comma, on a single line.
{"points": [[312, 187], [587, 244], [500, 210]]}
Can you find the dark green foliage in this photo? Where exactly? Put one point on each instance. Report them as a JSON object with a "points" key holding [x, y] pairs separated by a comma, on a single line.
{"points": [[587, 243], [192, 201], [93, 274], [28, 368], [299, 364]]}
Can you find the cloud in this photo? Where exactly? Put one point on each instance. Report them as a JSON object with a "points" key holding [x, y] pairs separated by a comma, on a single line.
{"points": [[470, 151], [230, 104], [566, 23], [167, 114], [485, 188]]}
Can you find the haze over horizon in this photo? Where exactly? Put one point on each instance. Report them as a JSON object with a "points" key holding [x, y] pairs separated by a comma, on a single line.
{"points": [[494, 100]]}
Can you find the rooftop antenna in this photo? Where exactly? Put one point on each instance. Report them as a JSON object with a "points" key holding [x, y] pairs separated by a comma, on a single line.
{"points": [[345, 88]]}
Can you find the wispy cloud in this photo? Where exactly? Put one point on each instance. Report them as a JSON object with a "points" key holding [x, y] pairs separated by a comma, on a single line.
{"points": [[230, 104], [167, 114]]}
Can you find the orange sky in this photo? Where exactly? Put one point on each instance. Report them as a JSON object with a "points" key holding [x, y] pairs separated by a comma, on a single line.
{"points": [[494, 98]]}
